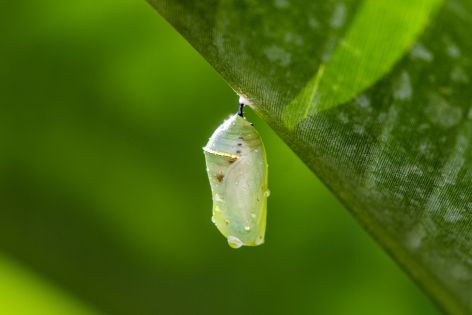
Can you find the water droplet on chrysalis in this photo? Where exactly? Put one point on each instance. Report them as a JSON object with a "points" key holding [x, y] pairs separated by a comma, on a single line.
{"points": [[234, 242]]}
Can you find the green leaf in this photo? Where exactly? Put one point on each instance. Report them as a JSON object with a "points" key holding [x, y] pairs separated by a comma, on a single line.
{"points": [[374, 98], [19, 285]]}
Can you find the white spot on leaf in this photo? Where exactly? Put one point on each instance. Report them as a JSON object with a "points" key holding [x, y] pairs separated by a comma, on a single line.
{"points": [[402, 90], [281, 4], [328, 49], [339, 16], [415, 237], [359, 129], [453, 51], [293, 39], [363, 101], [420, 52], [452, 215], [460, 272], [313, 22], [278, 55], [441, 113], [459, 75], [343, 117]]}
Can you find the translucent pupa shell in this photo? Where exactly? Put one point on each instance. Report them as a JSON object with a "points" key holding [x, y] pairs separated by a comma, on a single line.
{"points": [[237, 169]]}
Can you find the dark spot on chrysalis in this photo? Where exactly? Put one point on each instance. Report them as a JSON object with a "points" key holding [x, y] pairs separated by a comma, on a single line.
{"points": [[238, 151], [219, 178], [231, 161], [240, 144], [241, 138]]}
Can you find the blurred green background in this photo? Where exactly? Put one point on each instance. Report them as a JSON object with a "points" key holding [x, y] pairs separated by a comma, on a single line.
{"points": [[104, 202]]}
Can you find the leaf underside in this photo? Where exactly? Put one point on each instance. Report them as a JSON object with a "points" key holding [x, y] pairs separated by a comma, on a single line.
{"points": [[373, 96]]}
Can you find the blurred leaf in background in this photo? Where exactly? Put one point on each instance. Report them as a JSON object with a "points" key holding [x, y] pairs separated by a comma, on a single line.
{"points": [[23, 292], [104, 201]]}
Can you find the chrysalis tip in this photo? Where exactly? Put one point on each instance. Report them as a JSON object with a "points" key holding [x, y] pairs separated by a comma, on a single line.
{"points": [[234, 242]]}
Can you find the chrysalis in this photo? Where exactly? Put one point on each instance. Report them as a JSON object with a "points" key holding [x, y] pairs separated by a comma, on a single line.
{"points": [[237, 169]]}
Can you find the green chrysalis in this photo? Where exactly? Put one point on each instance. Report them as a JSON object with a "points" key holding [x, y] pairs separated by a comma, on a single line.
{"points": [[237, 169]]}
